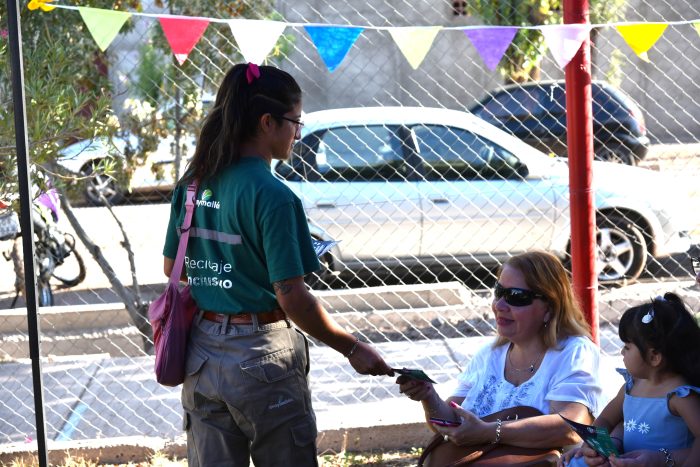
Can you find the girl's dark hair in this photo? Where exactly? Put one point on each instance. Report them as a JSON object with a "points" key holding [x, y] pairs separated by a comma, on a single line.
{"points": [[667, 326], [235, 116]]}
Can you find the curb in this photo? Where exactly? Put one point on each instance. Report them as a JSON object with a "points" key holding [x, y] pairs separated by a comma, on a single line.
{"points": [[134, 449]]}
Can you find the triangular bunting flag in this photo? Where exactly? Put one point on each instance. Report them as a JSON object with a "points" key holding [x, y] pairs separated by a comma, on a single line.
{"points": [[104, 25], [333, 43], [641, 37], [491, 43], [565, 40], [256, 38], [183, 34], [697, 27], [414, 43]]}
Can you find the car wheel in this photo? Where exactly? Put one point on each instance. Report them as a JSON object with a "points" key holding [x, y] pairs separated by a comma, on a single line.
{"points": [[621, 252], [99, 184], [616, 154]]}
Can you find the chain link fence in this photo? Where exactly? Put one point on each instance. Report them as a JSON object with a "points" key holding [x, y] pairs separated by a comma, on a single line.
{"points": [[425, 204]]}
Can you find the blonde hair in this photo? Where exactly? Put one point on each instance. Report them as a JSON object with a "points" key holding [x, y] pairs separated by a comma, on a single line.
{"points": [[545, 274]]}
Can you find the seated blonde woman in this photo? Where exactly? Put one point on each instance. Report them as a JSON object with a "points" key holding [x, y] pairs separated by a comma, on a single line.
{"points": [[543, 357]]}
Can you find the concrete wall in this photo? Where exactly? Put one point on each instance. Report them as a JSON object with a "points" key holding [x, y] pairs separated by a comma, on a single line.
{"points": [[453, 75]]}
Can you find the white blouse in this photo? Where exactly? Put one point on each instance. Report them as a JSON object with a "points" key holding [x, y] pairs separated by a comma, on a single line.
{"points": [[568, 373]]}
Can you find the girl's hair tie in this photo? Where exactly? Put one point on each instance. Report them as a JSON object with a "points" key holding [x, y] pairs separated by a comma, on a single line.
{"points": [[649, 317], [252, 72]]}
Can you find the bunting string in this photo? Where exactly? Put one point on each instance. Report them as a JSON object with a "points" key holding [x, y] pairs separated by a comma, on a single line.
{"points": [[256, 38]]}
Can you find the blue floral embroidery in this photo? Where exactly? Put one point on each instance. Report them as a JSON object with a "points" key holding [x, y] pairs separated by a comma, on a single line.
{"points": [[485, 400]]}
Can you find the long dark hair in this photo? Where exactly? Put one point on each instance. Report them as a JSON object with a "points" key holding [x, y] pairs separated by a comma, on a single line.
{"points": [[235, 116], [667, 326]]}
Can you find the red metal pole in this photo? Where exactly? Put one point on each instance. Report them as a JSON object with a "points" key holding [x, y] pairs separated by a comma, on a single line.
{"points": [[579, 125]]}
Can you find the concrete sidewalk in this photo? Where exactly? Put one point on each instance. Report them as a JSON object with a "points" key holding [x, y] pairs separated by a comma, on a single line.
{"points": [[112, 408]]}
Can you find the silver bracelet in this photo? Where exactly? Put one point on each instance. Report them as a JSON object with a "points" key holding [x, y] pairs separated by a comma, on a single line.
{"points": [[498, 431], [668, 460], [353, 348]]}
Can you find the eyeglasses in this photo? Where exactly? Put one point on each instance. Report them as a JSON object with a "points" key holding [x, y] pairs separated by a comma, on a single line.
{"points": [[515, 296], [695, 261], [299, 124]]}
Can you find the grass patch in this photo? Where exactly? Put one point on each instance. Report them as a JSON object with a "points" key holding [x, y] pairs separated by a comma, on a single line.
{"points": [[407, 458]]}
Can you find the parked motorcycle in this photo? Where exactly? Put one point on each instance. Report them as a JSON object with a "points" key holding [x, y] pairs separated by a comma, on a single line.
{"points": [[56, 257]]}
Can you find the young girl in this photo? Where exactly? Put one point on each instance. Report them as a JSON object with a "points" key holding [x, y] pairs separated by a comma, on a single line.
{"points": [[658, 407], [246, 393]]}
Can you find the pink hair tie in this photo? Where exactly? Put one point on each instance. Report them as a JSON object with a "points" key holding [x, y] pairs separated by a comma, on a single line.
{"points": [[252, 72]]}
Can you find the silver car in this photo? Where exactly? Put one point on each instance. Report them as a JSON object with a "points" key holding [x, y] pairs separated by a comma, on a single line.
{"points": [[429, 187]]}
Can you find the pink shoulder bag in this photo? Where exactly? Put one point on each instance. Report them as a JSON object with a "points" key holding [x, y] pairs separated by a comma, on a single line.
{"points": [[171, 314]]}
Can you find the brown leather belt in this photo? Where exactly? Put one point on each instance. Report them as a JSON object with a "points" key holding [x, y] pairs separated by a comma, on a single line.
{"points": [[265, 317]]}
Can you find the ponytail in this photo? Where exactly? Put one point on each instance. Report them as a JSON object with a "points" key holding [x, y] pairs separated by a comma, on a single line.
{"points": [[246, 93]]}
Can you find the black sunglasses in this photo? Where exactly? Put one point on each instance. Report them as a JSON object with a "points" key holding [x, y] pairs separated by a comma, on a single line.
{"points": [[515, 296], [695, 261]]}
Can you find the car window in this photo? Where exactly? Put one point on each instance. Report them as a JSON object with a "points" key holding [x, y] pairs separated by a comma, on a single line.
{"points": [[514, 103], [354, 153], [450, 153]]}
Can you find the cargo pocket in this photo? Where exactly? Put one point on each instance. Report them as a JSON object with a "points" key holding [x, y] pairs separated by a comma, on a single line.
{"points": [[272, 367], [193, 368], [304, 433]]}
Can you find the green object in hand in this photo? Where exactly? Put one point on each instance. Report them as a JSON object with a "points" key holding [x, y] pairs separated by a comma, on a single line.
{"points": [[414, 374]]}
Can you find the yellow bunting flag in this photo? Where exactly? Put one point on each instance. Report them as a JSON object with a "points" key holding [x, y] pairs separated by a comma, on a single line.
{"points": [[414, 42], [43, 4], [697, 27], [641, 37], [104, 25]]}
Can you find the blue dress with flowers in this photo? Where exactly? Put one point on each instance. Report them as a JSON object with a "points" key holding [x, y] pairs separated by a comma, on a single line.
{"points": [[648, 422]]}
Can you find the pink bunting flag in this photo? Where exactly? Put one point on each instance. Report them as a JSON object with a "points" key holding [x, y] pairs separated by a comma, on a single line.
{"points": [[564, 40], [491, 43], [183, 34]]}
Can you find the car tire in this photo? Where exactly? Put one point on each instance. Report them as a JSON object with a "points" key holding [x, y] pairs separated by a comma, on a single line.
{"points": [[621, 251], [618, 154], [98, 183]]}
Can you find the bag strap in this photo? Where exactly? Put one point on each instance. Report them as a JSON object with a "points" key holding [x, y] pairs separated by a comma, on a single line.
{"points": [[184, 234]]}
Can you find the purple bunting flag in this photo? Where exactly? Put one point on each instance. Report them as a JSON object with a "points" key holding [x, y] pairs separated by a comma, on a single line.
{"points": [[491, 43]]}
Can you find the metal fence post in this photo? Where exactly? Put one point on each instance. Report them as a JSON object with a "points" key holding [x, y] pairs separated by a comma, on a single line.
{"points": [[25, 192], [579, 122]]}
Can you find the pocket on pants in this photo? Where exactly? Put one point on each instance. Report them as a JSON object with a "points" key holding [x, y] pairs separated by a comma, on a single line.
{"points": [[272, 367], [196, 360], [304, 433]]}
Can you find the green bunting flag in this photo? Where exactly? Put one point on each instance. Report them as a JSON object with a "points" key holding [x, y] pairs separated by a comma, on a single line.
{"points": [[104, 25]]}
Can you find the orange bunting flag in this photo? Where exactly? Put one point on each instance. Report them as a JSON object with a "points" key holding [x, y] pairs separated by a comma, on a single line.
{"points": [[41, 4], [183, 34]]}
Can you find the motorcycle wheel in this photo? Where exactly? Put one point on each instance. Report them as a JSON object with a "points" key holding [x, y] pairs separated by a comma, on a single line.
{"points": [[45, 295]]}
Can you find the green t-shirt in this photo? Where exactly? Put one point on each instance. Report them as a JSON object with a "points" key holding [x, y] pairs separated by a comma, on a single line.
{"points": [[248, 231]]}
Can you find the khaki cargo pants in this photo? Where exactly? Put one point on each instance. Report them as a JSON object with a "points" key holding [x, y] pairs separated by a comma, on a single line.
{"points": [[246, 396]]}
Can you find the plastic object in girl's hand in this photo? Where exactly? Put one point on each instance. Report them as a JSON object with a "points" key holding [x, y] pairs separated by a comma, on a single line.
{"points": [[321, 247], [414, 374], [596, 437]]}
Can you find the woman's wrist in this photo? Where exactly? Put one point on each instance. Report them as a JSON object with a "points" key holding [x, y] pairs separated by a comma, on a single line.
{"points": [[352, 349], [433, 405]]}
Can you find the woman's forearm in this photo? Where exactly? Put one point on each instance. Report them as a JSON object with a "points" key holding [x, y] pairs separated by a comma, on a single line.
{"points": [[435, 407]]}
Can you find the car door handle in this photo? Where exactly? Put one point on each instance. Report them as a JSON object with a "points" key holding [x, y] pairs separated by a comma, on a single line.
{"points": [[325, 205], [439, 200]]}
